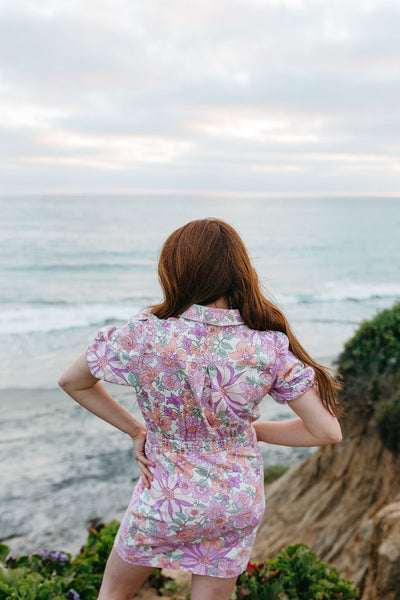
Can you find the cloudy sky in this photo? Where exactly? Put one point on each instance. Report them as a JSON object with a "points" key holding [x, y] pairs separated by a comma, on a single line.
{"points": [[243, 96]]}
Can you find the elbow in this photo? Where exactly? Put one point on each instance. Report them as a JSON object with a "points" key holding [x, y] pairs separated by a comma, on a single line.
{"points": [[63, 382], [333, 436]]}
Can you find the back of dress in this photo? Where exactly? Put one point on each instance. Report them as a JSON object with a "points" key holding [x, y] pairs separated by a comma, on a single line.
{"points": [[199, 379]]}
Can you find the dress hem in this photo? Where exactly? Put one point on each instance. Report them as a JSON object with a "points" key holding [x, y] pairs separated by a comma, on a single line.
{"points": [[144, 563]]}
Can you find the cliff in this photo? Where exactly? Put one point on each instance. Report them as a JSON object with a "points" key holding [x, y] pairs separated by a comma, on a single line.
{"points": [[344, 501]]}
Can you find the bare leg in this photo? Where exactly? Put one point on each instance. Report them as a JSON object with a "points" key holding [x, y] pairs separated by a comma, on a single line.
{"points": [[121, 580], [205, 587]]}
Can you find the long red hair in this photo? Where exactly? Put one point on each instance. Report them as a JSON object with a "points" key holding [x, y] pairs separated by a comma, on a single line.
{"points": [[206, 260]]}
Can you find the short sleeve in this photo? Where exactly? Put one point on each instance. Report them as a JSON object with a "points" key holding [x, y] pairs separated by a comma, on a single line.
{"points": [[115, 354], [292, 378]]}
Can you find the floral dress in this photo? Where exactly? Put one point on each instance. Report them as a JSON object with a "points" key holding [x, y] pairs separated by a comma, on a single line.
{"points": [[199, 379]]}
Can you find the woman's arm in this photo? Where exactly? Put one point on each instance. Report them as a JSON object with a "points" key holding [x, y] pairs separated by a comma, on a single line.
{"points": [[88, 391], [316, 426]]}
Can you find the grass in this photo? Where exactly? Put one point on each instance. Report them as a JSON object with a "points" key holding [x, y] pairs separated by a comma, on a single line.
{"points": [[273, 472]]}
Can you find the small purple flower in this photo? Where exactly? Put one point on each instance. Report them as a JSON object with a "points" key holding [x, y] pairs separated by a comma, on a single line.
{"points": [[175, 400], [73, 595], [54, 556], [168, 412], [186, 344], [59, 557], [62, 558], [233, 481]]}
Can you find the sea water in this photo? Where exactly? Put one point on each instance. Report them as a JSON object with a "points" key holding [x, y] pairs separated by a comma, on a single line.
{"points": [[69, 264]]}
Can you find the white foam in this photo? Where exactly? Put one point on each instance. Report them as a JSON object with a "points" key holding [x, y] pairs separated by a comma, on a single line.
{"points": [[44, 318], [21, 319], [335, 291]]}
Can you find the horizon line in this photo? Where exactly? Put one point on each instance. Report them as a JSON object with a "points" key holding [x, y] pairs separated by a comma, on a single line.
{"points": [[200, 192]]}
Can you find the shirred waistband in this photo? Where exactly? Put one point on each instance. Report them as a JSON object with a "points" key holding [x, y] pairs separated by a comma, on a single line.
{"points": [[211, 445]]}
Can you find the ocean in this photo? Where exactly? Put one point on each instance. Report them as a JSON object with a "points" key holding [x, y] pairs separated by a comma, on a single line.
{"points": [[69, 264]]}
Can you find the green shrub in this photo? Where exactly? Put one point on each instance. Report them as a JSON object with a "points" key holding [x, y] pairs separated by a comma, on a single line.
{"points": [[57, 576], [273, 472], [375, 346], [294, 573], [370, 365]]}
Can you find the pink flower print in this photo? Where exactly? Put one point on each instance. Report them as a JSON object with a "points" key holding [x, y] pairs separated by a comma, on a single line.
{"points": [[128, 341], [160, 421], [104, 364], [238, 455], [166, 444], [202, 492], [199, 331], [170, 381], [290, 371], [221, 486], [176, 401], [280, 343], [219, 522], [194, 512], [195, 377], [186, 343], [133, 364], [225, 389], [245, 519], [215, 509], [171, 495], [252, 392], [233, 481], [194, 428], [185, 485], [216, 543], [186, 533], [212, 418], [227, 568], [171, 356], [140, 521], [203, 559], [212, 332], [241, 499], [166, 563], [181, 465], [147, 376], [244, 354], [140, 539]]}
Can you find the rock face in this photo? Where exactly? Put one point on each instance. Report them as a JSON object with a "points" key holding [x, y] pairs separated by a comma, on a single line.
{"points": [[344, 502]]}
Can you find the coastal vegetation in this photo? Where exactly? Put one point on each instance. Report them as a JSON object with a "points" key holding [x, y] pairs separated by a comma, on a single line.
{"points": [[273, 472], [370, 366], [294, 573]]}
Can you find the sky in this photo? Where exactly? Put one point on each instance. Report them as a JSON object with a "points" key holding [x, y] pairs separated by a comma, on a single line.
{"points": [[260, 97]]}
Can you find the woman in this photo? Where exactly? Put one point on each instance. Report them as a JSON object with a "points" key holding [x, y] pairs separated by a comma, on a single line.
{"points": [[200, 362]]}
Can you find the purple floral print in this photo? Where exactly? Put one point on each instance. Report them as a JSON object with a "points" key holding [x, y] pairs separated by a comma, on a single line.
{"points": [[199, 380]]}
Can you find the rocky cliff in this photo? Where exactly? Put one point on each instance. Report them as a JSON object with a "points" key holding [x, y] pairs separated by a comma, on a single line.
{"points": [[344, 501]]}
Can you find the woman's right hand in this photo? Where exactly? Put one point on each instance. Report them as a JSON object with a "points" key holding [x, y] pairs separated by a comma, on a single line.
{"points": [[139, 441]]}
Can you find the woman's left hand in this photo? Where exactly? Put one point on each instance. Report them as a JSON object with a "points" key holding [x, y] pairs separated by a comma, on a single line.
{"points": [[139, 441]]}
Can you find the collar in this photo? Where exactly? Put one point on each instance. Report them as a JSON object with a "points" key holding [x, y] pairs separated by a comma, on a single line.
{"points": [[213, 316]]}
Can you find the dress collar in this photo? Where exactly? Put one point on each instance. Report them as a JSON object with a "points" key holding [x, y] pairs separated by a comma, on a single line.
{"points": [[212, 315]]}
